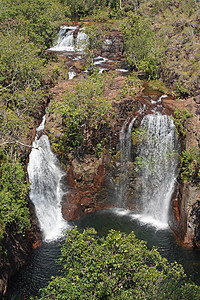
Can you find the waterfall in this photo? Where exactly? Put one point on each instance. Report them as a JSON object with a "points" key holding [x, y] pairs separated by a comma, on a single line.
{"points": [[125, 153], [154, 168], [66, 41], [156, 162], [71, 74], [46, 192]]}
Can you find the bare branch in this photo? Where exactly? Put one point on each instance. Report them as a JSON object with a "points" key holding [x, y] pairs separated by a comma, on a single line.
{"points": [[19, 143]]}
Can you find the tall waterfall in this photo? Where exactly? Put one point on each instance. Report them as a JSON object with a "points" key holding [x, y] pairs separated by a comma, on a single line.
{"points": [[156, 165], [46, 192], [66, 41], [157, 161]]}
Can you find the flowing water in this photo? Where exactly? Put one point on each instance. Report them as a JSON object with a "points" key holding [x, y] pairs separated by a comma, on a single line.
{"points": [[46, 193], [157, 161], [125, 151], [66, 41]]}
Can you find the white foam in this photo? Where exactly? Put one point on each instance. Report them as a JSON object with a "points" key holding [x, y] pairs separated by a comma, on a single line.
{"points": [[149, 220]]}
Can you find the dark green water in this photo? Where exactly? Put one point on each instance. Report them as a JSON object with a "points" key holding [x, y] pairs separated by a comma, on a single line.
{"points": [[42, 263]]}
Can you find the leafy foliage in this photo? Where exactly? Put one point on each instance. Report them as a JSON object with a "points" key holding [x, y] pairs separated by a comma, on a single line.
{"points": [[83, 111], [34, 19], [139, 135], [19, 63], [117, 266], [140, 45], [180, 118], [14, 213], [190, 165]]}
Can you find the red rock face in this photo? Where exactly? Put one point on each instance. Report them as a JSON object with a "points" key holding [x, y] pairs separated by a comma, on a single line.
{"points": [[85, 198], [184, 211]]}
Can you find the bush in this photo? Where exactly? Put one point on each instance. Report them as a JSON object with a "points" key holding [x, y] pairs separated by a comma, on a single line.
{"points": [[180, 118], [140, 45], [190, 165]]}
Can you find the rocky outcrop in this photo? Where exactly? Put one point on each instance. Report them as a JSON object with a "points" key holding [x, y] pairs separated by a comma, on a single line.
{"points": [[113, 44], [89, 188], [16, 249], [185, 205]]}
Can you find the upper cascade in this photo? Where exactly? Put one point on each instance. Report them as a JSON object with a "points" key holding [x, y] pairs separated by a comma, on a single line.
{"points": [[67, 42]]}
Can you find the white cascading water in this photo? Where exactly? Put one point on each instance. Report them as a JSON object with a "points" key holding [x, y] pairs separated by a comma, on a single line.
{"points": [[71, 74], [66, 41], [158, 169], [46, 191], [125, 151]]}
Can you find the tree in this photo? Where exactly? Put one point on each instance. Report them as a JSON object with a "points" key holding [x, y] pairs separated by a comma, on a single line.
{"points": [[35, 19], [117, 266], [141, 49]]}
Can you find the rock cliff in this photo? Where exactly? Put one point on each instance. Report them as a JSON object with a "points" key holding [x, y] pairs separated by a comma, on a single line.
{"points": [[184, 211], [16, 250]]}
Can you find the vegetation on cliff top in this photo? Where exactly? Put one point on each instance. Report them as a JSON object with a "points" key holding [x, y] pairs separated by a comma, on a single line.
{"points": [[84, 112], [117, 266]]}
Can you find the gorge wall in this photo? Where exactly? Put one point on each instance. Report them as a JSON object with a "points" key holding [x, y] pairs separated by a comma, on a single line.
{"points": [[17, 249], [185, 219]]}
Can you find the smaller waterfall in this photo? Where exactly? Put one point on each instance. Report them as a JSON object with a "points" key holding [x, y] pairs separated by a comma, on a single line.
{"points": [[67, 42], [125, 152], [71, 74], [46, 192]]}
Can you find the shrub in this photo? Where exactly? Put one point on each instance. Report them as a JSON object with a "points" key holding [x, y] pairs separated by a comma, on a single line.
{"points": [[180, 118], [190, 165]]}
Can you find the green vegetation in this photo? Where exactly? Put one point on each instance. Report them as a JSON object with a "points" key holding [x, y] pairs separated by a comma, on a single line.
{"points": [[190, 158], [83, 111], [132, 86], [139, 135], [180, 118], [27, 29], [117, 266], [14, 213], [159, 85], [141, 47], [190, 166], [34, 19]]}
